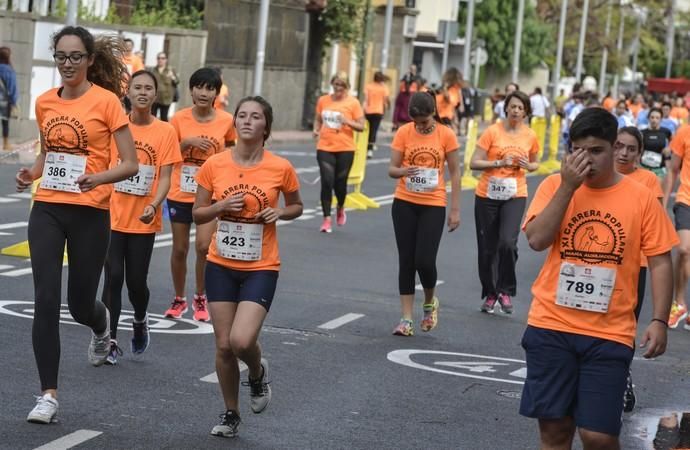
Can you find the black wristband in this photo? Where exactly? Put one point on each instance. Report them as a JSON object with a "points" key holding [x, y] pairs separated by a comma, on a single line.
{"points": [[660, 320], [155, 210]]}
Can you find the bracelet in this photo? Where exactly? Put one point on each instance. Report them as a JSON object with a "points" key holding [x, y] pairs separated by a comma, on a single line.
{"points": [[155, 210], [497, 163], [660, 320]]}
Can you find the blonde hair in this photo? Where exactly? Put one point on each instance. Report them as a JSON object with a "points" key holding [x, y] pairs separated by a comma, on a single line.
{"points": [[341, 76]]}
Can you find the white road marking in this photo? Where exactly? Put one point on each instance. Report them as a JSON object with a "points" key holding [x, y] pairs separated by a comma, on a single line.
{"points": [[22, 195], [213, 377], [71, 440], [169, 243], [2, 233], [340, 321], [419, 287], [9, 226], [17, 272], [5, 266], [520, 373], [8, 200]]}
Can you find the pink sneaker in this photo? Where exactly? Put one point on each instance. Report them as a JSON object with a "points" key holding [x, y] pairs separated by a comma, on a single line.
{"points": [[340, 217], [326, 225], [506, 303], [489, 304], [200, 306]]}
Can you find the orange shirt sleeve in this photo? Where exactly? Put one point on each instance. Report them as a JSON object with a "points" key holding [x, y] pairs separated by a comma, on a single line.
{"points": [[171, 148], [542, 197], [534, 149], [115, 117], [204, 177], [450, 141], [486, 140], [678, 142], [290, 180], [231, 135], [357, 111], [658, 234], [398, 143], [319, 106]]}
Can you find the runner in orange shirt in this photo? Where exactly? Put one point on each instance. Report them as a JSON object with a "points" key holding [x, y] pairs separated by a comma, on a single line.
{"points": [[223, 98], [243, 260], [202, 131], [376, 103], [421, 148], [135, 213], [679, 111], [505, 152], [338, 116], [76, 124], [581, 328]]}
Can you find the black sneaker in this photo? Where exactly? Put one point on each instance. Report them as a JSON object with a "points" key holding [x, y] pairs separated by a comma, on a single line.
{"points": [[140, 336], [229, 422], [629, 396], [259, 390]]}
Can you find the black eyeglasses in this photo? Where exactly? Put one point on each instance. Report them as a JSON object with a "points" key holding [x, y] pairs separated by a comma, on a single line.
{"points": [[74, 58]]}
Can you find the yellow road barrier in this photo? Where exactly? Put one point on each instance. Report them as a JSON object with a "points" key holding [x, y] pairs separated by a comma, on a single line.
{"points": [[552, 164], [356, 199], [488, 110], [468, 180], [538, 124]]}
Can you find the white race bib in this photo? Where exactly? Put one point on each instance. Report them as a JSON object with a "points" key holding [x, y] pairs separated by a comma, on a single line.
{"points": [[426, 180], [652, 159], [241, 241], [61, 171], [187, 181], [139, 184], [502, 188], [332, 119], [588, 288]]}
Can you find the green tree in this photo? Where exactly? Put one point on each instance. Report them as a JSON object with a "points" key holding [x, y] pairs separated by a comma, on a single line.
{"points": [[495, 22]]}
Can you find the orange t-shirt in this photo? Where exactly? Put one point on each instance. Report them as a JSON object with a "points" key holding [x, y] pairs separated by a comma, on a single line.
{"points": [[609, 103], [224, 93], [219, 131], [635, 108], [261, 186], [376, 94], [648, 179], [427, 151], [156, 146], [133, 63], [445, 108], [680, 145], [498, 144], [334, 136], [679, 113], [601, 229], [81, 127], [455, 95]]}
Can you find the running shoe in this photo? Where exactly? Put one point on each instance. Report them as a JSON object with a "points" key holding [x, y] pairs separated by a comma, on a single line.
{"points": [[687, 323], [404, 328], [678, 313], [200, 307], [44, 411], [177, 308], [326, 225], [340, 217], [370, 154], [229, 422], [430, 319], [259, 390], [506, 303], [140, 336], [489, 304], [629, 398], [114, 352], [99, 347]]}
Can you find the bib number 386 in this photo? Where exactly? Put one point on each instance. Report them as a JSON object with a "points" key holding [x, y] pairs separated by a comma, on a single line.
{"points": [[61, 171]]}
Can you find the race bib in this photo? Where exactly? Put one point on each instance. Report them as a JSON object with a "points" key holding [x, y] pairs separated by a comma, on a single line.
{"points": [[240, 241], [61, 171], [502, 188], [652, 159], [587, 288], [187, 180], [332, 119], [139, 184], [426, 180]]}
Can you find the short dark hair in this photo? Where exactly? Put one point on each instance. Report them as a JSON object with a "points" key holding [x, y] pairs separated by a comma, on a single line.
{"points": [[128, 40], [526, 103], [655, 109], [205, 77], [144, 72], [669, 104], [265, 106], [422, 104], [517, 86], [634, 132], [595, 122], [623, 102]]}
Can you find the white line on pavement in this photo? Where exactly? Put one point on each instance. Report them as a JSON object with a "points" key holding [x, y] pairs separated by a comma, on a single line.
{"points": [[71, 440], [419, 287], [8, 200], [169, 243], [340, 321], [213, 377], [23, 195], [17, 272], [9, 226], [520, 373], [5, 266]]}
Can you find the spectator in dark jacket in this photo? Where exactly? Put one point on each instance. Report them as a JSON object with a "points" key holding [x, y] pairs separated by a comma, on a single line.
{"points": [[8, 94]]}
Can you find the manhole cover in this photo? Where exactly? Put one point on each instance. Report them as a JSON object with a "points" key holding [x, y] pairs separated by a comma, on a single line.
{"points": [[509, 394]]}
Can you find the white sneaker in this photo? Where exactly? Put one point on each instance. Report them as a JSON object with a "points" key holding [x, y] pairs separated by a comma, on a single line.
{"points": [[44, 411], [99, 347], [259, 390]]}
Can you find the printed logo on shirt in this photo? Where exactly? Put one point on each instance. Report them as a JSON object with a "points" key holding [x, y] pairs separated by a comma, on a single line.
{"points": [[66, 134], [594, 237], [255, 200], [424, 157], [198, 156], [145, 153]]}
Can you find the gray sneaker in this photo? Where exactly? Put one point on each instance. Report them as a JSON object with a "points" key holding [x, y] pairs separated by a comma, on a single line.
{"points": [[229, 422], [44, 411], [259, 390], [99, 347]]}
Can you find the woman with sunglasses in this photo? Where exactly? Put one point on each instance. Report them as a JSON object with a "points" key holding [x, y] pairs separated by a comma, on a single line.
{"points": [[77, 123], [338, 116]]}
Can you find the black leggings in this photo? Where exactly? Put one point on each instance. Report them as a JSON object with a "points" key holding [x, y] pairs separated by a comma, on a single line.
{"points": [[128, 258], [334, 168], [418, 231], [374, 122], [498, 228], [86, 231]]}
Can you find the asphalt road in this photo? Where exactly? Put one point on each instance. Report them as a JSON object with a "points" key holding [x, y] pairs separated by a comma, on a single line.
{"points": [[349, 384]]}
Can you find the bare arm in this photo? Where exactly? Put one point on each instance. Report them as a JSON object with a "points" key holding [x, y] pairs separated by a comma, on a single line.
{"points": [[25, 177], [395, 169], [318, 123], [128, 167], [204, 210], [453, 161], [163, 187], [292, 210], [480, 160], [655, 335], [357, 125], [671, 177]]}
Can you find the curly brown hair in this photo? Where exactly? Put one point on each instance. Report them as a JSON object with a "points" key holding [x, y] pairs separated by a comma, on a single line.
{"points": [[108, 69]]}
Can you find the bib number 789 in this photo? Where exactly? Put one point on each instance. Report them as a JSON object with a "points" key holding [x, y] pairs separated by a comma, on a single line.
{"points": [[580, 287]]}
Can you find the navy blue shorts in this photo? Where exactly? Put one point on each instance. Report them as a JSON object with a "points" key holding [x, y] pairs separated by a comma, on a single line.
{"points": [[180, 212], [228, 285], [571, 375], [681, 212]]}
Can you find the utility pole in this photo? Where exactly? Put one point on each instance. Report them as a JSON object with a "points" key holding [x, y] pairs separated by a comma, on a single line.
{"points": [[670, 38], [641, 16], [518, 40], [261, 46], [468, 39], [605, 52], [559, 50], [581, 44], [72, 12], [387, 35], [446, 45], [619, 48]]}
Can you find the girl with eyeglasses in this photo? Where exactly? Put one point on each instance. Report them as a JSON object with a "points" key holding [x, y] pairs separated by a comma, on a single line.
{"points": [[77, 123]]}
